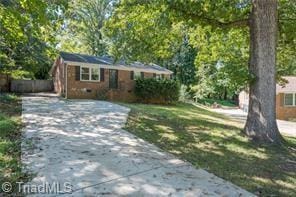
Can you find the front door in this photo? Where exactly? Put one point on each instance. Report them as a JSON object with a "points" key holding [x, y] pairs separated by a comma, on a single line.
{"points": [[113, 79]]}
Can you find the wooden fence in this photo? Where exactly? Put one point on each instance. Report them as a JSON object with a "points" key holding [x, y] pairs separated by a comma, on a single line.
{"points": [[27, 86]]}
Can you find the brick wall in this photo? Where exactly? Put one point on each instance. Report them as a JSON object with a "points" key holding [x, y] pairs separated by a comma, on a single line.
{"points": [[77, 89], [284, 112], [84, 89], [100, 89], [125, 88]]}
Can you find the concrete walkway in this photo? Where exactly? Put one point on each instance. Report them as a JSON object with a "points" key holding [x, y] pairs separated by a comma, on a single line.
{"points": [[285, 127], [81, 142]]}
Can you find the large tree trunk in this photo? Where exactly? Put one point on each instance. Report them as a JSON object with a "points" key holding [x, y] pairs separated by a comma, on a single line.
{"points": [[261, 121]]}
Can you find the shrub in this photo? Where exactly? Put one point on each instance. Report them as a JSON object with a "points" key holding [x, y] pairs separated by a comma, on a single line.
{"points": [[186, 93], [151, 90], [8, 97]]}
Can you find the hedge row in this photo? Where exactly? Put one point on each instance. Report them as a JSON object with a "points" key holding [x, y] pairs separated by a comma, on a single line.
{"points": [[151, 90]]}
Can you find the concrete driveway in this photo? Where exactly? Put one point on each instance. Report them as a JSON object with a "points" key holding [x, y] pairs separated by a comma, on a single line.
{"points": [[285, 127], [81, 143]]}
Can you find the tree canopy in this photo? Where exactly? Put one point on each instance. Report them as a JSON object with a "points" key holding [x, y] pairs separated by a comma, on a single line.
{"points": [[27, 35], [218, 30], [82, 28]]}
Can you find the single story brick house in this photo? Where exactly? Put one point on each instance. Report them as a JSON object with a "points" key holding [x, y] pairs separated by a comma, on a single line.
{"points": [[79, 76], [285, 99]]}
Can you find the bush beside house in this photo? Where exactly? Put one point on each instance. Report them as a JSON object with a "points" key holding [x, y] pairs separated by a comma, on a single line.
{"points": [[158, 91]]}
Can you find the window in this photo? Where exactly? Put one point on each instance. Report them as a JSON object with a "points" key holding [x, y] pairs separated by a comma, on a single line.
{"points": [[95, 73], [89, 74], [85, 73], [158, 76], [137, 75], [289, 99]]}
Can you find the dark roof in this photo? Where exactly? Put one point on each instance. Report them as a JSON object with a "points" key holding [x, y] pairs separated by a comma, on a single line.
{"points": [[75, 57], [107, 60]]}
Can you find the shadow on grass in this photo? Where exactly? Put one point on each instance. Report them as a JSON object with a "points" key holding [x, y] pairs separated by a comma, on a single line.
{"points": [[215, 143], [10, 140]]}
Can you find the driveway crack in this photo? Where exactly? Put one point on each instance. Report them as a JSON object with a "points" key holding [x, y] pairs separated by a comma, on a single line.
{"points": [[115, 179]]}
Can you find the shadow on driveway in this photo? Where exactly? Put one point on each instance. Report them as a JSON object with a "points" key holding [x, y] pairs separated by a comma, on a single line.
{"points": [[81, 142]]}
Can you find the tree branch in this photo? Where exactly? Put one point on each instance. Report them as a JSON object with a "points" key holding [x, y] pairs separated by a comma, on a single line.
{"points": [[214, 22], [197, 16], [229, 24]]}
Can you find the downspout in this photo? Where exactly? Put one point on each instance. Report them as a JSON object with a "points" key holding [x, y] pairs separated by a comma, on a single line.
{"points": [[66, 95]]}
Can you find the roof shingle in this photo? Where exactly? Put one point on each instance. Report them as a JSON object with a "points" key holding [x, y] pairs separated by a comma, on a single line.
{"points": [[106, 60]]}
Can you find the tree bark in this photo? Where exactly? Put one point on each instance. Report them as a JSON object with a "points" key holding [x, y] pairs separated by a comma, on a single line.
{"points": [[225, 93], [261, 121]]}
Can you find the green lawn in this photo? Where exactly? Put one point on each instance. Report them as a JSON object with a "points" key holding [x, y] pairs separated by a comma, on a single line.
{"points": [[213, 142], [10, 139]]}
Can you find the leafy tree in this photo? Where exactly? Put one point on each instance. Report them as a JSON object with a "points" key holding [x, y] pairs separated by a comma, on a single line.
{"points": [[252, 23], [141, 33], [218, 80], [27, 36], [82, 30], [134, 36], [206, 77], [228, 58], [183, 65]]}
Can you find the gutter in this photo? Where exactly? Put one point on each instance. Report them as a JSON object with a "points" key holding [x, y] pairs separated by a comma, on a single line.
{"points": [[120, 67]]}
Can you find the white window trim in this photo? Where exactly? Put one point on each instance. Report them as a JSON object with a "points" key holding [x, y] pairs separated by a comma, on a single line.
{"points": [[293, 101], [90, 73], [138, 75], [158, 76]]}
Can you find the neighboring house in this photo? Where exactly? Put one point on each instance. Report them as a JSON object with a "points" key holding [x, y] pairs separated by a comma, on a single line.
{"points": [[285, 99], [91, 77]]}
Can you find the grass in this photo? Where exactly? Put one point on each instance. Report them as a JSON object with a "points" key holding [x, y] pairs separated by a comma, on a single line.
{"points": [[213, 142], [224, 103], [10, 139]]}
